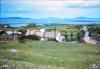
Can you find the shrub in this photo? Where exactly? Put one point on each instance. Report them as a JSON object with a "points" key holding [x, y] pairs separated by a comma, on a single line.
{"points": [[94, 30], [32, 37]]}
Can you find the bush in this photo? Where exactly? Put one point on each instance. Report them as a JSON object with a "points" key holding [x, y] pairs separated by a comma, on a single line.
{"points": [[94, 30], [32, 37]]}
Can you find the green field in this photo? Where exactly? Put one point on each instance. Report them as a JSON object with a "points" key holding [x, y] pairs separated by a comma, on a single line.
{"points": [[50, 55]]}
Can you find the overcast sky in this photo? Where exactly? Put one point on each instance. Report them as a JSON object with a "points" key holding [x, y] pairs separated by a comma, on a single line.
{"points": [[50, 8]]}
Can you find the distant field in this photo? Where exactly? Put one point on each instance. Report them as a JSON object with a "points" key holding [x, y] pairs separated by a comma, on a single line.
{"points": [[50, 55]]}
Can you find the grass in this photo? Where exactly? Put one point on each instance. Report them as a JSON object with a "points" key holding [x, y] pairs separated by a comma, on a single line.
{"points": [[52, 55]]}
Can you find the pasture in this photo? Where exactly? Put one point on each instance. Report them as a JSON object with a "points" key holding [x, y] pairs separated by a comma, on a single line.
{"points": [[49, 55]]}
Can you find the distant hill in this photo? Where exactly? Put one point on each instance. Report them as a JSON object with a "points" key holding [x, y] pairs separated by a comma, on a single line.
{"points": [[78, 20], [15, 20]]}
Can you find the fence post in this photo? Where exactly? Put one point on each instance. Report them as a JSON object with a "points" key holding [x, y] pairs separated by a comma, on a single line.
{"points": [[71, 36], [55, 31], [78, 37], [66, 36]]}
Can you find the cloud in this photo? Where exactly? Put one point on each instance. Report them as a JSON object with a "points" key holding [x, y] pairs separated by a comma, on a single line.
{"points": [[51, 8], [55, 3], [83, 4]]}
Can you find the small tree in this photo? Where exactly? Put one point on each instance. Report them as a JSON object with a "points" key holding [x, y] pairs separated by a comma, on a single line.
{"points": [[22, 36]]}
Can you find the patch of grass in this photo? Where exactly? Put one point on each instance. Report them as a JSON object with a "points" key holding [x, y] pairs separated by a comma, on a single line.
{"points": [[53, 54]]}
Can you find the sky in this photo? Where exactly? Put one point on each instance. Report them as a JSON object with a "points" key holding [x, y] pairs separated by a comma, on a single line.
{"points": [[50, 8]]}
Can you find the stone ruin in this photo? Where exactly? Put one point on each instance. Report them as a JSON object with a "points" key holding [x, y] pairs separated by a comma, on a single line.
{"points": [[86, 38]]}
